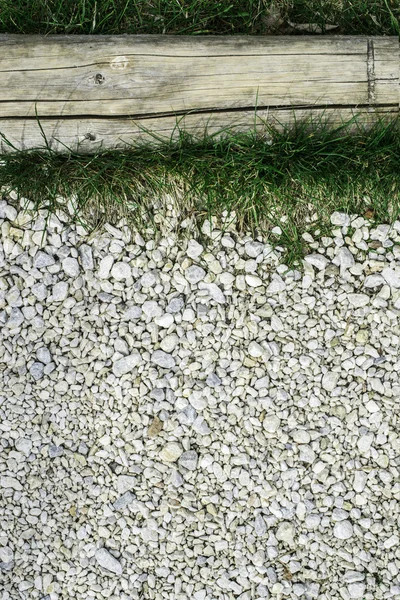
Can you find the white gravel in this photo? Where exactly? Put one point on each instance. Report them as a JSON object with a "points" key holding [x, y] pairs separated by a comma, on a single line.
{"points": [[188, 423]]}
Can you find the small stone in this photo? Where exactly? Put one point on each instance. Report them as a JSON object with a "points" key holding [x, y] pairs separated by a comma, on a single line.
{"points": [[214, 291], [121, 271], [151, 308], [162, 359], [330, 380], [175, 305], [86, 257], [10, 212], [372, 407], [155, 427], [364, 443], [194, 249], [16, 318], [60, 291], [188, 460], [105, 267], [360, 480], [148, 279], [37, 370], [176, 479], [373, 281], [55, 451], [107, 561], [344, 258], [253, 281], [40, 291], [285, 533], [277, 285], [317, 260], [42, 260], [10, 482], [43, 355], [194, 274], [300, 436], [307, 454], [253, 249], [392, 541], [165, 320], [169, 343], [227, 279], [356, 590], [260, 526], [343, 530], [6, 558], [126, 364], [213, 380], [126, 483], [255, 350], [362, 336], [70, 267], [358, 300], [123, 501], [23, 445], [391, 277], [340, 219], [171, 452], [271, 423]]}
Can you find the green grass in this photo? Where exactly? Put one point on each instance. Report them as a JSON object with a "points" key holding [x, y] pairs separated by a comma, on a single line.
{"points": [[308, 171], [250, 17]]}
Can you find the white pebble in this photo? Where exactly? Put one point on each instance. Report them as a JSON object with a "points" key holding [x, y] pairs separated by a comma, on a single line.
{"points": [[107, 561], [121, 271], [343, 530]]}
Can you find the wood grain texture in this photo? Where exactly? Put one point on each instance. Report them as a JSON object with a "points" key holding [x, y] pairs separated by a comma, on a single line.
{"points": [[104, 87], [90, 135]]}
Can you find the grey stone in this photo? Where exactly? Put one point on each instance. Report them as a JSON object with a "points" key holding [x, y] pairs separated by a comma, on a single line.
{"points": [[55, 451], [42, 260], [253, 249], [194, 274], [16, 318], [71, 267], [343, 530], [123, 501], [37, 370], [188, 460], [121, 271], [318, 261], [86, 257], [162, 359], [43, 355], [213, 380], [60, 291], [108, 562], [40, 291], [175, 305], [126, 364]]}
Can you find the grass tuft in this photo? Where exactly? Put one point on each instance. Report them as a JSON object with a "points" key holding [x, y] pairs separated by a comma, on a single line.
{"points": [[293, 177]]}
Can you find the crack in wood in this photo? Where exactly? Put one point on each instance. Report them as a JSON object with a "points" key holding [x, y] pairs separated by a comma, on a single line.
{"points": [[371, 74], [210, 111]]}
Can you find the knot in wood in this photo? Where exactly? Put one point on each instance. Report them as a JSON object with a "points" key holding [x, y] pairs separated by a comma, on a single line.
{"points": [[99, 78]]}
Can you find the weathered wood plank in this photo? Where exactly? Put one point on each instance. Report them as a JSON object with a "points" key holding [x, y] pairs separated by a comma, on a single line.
{"points": [[91, 135], [78, 83]]}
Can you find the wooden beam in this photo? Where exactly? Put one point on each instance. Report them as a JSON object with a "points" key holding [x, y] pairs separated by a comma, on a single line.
{"points": [[100, 91]]}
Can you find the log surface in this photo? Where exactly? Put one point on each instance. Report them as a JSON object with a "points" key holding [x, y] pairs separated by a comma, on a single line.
{"points": [[89, 90]]}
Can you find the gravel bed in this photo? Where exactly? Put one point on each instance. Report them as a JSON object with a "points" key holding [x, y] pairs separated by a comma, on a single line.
{"points": [[186, 423]]}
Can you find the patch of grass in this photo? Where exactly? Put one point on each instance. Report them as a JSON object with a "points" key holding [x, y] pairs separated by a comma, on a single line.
{"points": [[293, 177], [247, 17]]}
